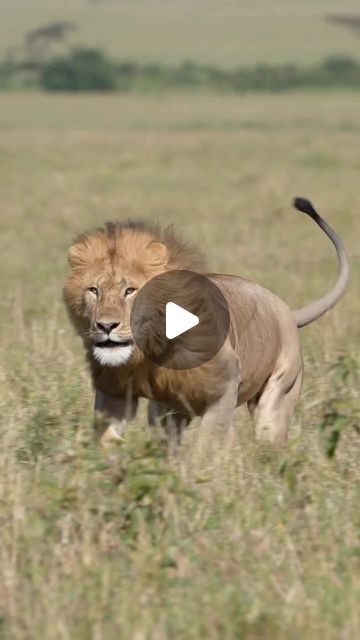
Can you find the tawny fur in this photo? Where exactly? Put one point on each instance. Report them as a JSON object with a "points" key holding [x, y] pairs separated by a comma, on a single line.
{"points": [[260, 362]]}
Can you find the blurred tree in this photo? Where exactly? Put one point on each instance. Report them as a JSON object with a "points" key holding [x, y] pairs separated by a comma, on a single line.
{"points": [[351, 22], [43, 42], [82, 70]]}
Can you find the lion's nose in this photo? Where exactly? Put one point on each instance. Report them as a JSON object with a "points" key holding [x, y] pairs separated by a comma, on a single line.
{"points": [[107, 327]]}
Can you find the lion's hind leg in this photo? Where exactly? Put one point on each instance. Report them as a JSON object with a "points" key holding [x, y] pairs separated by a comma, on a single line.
{"points": [[273, 407]]}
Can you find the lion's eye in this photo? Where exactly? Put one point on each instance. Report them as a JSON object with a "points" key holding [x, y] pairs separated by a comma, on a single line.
{"points": [[93, 290], [129, 291]]}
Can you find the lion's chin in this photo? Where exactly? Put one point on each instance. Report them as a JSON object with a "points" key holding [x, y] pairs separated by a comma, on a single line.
{"points": [[114, 357]]}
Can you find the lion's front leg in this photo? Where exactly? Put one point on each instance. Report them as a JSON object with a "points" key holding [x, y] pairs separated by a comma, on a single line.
{"points": [[172, 421], [112, 416]]}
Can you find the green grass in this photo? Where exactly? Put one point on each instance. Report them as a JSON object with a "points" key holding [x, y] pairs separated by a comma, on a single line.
{"points": [[230, 539], [229, 34]]}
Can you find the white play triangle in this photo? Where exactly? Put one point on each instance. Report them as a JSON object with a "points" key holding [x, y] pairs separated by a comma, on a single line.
{"points": [[178, 320]]}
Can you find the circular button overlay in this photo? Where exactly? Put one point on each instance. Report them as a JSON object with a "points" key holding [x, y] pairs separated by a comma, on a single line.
{"points": [[180, 320]]}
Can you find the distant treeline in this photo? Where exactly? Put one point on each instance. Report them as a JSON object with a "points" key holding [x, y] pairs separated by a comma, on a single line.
{"points": [[84, 69]]}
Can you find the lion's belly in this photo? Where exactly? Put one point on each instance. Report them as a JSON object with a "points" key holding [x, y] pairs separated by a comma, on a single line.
{"points": [[189, 390]]}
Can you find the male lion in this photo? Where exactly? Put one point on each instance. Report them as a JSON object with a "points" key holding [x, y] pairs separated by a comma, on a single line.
{"points": [[261, 366]]}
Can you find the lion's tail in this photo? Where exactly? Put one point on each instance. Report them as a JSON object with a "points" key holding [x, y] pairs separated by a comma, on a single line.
{"points": [[314, 310]]}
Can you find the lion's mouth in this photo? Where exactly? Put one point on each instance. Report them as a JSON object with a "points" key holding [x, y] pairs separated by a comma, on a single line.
{"points": [[112, 344]]}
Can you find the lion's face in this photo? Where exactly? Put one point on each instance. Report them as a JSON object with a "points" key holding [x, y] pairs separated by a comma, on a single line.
{"points": [[108, 269], [107, 306]]}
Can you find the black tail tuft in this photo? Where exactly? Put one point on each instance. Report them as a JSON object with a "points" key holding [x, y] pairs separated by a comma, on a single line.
{"points": [[305, 206]]}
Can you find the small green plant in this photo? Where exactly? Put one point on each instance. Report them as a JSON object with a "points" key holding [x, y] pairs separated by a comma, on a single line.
{"points": [[147, 485], [340, 412]]}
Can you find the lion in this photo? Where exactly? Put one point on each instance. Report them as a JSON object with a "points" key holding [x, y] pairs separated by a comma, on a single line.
{"points": [[262, 366]]}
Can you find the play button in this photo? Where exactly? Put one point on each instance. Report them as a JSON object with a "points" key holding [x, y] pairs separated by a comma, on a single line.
{"points": [[179, 319]]}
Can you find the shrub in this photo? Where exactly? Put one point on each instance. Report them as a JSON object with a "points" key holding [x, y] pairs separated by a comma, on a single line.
{"points": [[90, 70], [126, 75], [82, 70], [6, 73], [341, 70]]}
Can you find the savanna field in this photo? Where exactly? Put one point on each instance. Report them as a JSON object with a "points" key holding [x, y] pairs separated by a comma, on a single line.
{"points": [[229, 539]]}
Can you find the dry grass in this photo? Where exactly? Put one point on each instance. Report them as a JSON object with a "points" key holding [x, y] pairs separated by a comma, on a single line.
{"points": [[231, 539]]}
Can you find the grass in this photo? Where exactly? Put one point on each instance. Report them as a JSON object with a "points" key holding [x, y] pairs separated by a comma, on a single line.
{"points": [[229, 540], [230, 35]]}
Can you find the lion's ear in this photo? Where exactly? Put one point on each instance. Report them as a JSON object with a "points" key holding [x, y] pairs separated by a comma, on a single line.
{"points": [[157, 255], [76, 255]]}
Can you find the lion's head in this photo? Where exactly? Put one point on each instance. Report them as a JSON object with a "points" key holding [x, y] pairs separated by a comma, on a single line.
{"points": [[108, 267]]}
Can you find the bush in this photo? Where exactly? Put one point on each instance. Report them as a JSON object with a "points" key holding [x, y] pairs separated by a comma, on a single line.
{"points": [[266, 78], [81, 70], [6, 73], [126, 75], [90, 70], [341, 70]]}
